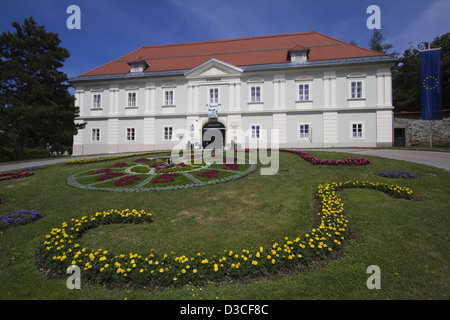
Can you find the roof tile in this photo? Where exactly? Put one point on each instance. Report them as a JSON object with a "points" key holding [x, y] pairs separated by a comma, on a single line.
{"points": [[239, 52]]}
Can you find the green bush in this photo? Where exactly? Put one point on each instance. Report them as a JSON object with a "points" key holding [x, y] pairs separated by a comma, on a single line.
{"points": [[9, 154]]}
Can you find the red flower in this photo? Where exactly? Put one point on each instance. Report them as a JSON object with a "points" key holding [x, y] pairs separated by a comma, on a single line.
{"points": [[232, 166], [109, 175], [14, 175], [100, 171], [165, 177], [120, 164], [126, 180], [208, 174]]}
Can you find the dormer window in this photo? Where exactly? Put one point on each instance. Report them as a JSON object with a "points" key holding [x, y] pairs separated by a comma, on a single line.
{"points": [[299, 54], [138, 65]]}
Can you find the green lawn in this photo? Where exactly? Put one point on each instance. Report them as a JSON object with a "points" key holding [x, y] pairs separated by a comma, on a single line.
{"points": [[408, 240]]}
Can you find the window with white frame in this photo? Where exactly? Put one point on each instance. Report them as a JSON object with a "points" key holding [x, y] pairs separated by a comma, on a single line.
{"points": [[95, 134], [357, 130], [169, 98], [132, 100], [304, 92], [168, 133], [131, 134], [304, 131], [97, 101], [255, 94], [213, 95], [255, 131], [356, 89]]}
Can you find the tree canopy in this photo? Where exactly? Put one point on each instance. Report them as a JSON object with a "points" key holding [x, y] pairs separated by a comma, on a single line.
{"points": [[36, 108]]}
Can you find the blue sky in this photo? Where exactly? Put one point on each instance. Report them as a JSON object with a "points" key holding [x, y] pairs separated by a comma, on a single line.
{"points": [[111, 29]]}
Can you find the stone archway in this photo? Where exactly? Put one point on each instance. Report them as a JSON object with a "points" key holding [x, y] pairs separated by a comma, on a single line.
{"points": [[213, 135]]}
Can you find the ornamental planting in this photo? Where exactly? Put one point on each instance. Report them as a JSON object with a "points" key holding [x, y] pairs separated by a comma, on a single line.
{"points": [[147, 174], [61, 247]]}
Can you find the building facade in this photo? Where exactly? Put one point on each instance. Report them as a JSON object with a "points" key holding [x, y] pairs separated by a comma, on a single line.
{"points": [[312, 90]]}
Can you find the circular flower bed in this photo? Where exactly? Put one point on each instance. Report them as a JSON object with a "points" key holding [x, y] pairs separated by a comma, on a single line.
{"points": [[144, 174], [61, 247]]}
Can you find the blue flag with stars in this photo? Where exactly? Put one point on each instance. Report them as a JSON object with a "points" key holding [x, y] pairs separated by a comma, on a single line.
{"points": [[430, 82]]}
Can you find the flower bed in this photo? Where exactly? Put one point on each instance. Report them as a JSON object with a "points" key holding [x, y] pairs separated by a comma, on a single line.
{"points": [[144, 174], [19, 217], [311, 159], [397, 174], [15, 175], [61, 247]]}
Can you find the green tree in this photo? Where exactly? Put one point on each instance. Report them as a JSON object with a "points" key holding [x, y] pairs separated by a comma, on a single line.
{"points": [[443, 42], [36, 109], [406, 82], [376, 43]]}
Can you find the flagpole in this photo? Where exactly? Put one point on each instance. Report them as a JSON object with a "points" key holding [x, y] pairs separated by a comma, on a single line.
{"points": [[431, 133], [431, 124]]}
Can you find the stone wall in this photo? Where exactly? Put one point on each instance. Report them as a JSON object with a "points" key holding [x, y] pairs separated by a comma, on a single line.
{"points": [[417, 131]]}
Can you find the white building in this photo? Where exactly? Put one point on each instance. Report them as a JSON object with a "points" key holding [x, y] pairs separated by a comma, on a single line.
{"points": [[315, 90]]}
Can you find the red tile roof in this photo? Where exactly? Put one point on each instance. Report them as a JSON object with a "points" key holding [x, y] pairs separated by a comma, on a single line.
{"points": [[239, 52]]}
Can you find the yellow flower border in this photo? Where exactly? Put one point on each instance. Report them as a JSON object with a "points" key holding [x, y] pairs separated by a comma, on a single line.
{"points": [[61, 248]]}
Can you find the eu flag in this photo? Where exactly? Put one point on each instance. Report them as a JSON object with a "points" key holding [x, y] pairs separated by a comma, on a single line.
{"points": [[430, 81]]}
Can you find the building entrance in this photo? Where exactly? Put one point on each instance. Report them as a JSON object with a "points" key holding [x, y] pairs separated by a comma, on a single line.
{"points": [[213, 135]]}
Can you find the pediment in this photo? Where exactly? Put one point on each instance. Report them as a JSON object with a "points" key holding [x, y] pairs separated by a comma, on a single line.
{"points": [[213, 68]]}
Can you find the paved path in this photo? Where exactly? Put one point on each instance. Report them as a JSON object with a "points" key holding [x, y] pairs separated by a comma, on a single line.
{"points": [[432, 158], [43, 162]]}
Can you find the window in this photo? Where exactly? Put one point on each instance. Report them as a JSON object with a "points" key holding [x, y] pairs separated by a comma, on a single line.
{"points": [[131, 134], [357, 130], [303, 92], [97, 101], [255, 131], [214, 96], [168, 98], [304, 131], [255, 94], [168, 131], [131, 99], [356, 89], [95, 134]]}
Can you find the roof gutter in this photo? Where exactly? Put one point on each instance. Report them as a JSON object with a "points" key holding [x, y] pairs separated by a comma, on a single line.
{"points": [[252, 68]]}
